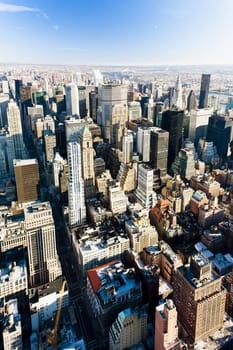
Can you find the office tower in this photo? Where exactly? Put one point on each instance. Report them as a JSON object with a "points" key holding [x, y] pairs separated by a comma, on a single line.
{"points": [[134, 111], [15, 145], [130, 328], [184, 164], [166, 328], [33, 114], [159, 148], [199, 298], [88, 175], [143, 143], [93, 104], [97, 77], [4, 99], [204, 91], [82, 101], [25, 98], [49, 146], [72, 128], [177, 99], [72, 99], [117, 199], [127, 147], [44, 265], [220, 131], [207, 151], [112, 98], [149, 110], [118, 123], [49, 124], [27, 180], [172, 121], [191, 101], [11, 330], [198, 123], [18, 84], [40, 98], [144, 192], [76, 199], [159, 106]]}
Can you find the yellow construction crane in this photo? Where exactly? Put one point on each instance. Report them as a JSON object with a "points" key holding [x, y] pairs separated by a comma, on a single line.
{"points": [[52, 334]]}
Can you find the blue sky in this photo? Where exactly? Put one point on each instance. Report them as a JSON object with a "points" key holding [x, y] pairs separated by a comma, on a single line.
{"points": [[121, 32]]}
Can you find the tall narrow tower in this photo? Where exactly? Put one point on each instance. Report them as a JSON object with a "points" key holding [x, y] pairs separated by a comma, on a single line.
{"points": [[205, 84], [178, 94], [72, 99], [166, 329], [76, 200], [15, 145], [85, 140], [44, 265]]}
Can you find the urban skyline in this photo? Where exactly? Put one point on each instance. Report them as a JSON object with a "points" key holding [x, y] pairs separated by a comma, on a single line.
{"points": [[117, 33]]}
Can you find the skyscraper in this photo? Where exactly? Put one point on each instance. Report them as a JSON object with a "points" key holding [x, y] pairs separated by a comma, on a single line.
{"points": [[220, 131], [76, 199], [198, 124], [199, 298], [15, 145], [204, 91], [172, 121], [112, 110], [44, 265], [191, 101], [85, 140], [127, 147], [159, 148], [72, 99], [27, 180], [166, 329], [144, 192], [178, 102], [143, 143]]}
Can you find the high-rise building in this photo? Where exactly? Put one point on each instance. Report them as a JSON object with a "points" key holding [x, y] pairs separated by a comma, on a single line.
{"points": [[184, 164], [191, 101], [166, 328], [143, 143], [43, 261], [172, 121], [97, 77], [72, 99], [93, 104], [178, 101], [112, 110], [15, 145], [72, 128], [134, 110], [82, 101], [11, 320], [204, 91], [127, 147], [198, 123], [144, 192], [129, 329], [159, 148], [88, 175], [76, 199], [201, 291], [220, 131], [49, 145], [18, 84], [27, 180]]}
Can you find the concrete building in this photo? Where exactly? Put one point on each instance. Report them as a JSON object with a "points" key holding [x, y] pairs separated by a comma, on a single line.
{"points": [[204, 90], [134, 111], [127, 147], [117, 199], [166, 328], [76, 199], [129, 328], [44, 302], [72, 128], [88, 175], [198, 199], [184, 164], [198, 123], [112, 110], [191, 101], [110, 289], [201, 291], [44, 264], [127, 176], [97, 247], [144, 192], [27, 180], [103, 182], [34, 113], [15, 145], [143, 143], [50, 146], [12, 330], [141, 233], [159, 148], [72, 99]]}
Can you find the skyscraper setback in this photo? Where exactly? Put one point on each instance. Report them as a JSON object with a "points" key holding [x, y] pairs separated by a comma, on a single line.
{"points": [[205, 84]]}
